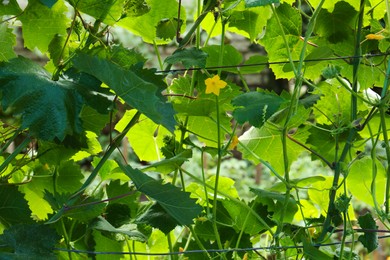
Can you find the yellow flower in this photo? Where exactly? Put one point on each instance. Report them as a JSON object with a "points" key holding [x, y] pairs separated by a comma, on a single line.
{"points": [[214, 85], [234, 142], [374, 37]]}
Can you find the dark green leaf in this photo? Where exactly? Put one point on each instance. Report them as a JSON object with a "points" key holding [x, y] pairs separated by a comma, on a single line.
{"points": [[331, 72], [175, 202], [309, 101], [167, 28], [254, 3], [139, 88], [168, 165], [49, 109], [157, 217], [48, 3], [191, 57], [31, 241], [256, 107], [369, 239], [102, 224], [231, 56], [13, 207], [86, 208], [314, 253]]}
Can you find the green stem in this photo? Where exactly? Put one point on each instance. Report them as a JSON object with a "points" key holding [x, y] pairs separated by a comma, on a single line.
{"points": [[382, 112], [158, 54], [66, 238], [12, 156], [170, 246]]}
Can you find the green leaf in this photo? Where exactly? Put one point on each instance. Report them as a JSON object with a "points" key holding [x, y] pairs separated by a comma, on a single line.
{"points": [[360, 184], [31, 241], [102, 224], [231, 56], [176, 203], [256, 107], [169, 165], [10, 7], [146, 137], [38, 19], [105, 244], [86, 208], [369, 239], [274, 44], [299, 183], [266, 142], [108, 11], [255, 64], [314, 253], [135, 8], [336, 26], [167, 28], [250, 22], [7, 43], [191, 57], [49, 109], [139, 88], [145, 25], [280, 204], [13, 207], [157, 217], [254, 3], [48, 3]]}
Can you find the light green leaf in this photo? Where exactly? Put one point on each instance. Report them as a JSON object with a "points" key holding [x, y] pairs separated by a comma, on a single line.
{"points": [[231, 56], [169, 165], [300, 183], [10, 7], [7, 42], [360, 178], [166, 29], [191, 57], [330, 5], [108, 11], [314, 253], [105, 244], [146, 137], [291, 21], [254, 3], [266, 142], [31, 241], [135, 8], [256, 107], [175, 202], [137, 87], [145, 25], [255, 64], [46, 22]]}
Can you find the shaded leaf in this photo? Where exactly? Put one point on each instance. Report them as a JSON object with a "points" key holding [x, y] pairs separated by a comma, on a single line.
{"points": [[169, 165], [31, 241], [130, 230], [48, 3], [369, 239], [13, 207], [191, 57], [139, 88], [314, 253], [167, 28], [157, 217], [135, 8], [256, 107], [231, 56], [108, 11], [175, 202], [254, 3]]}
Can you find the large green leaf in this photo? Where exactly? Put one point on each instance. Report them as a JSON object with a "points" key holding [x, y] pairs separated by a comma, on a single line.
{"points": [[108, 11], [254, 3], [230, 56], [30, 241], [360, 178], [191, 57], [137, 87], [273, 41], [146, 25], [49, 109], [266, 142], [7, 42], [105, 244], [157, 217], [13, 207], [38, 19], [256, 107], [175, 202]]}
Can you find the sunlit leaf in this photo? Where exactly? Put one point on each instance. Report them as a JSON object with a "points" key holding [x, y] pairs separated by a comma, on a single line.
{"points": [[46, 22], [109, 11], [7, 42], [102, 224], [9, 7]]}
